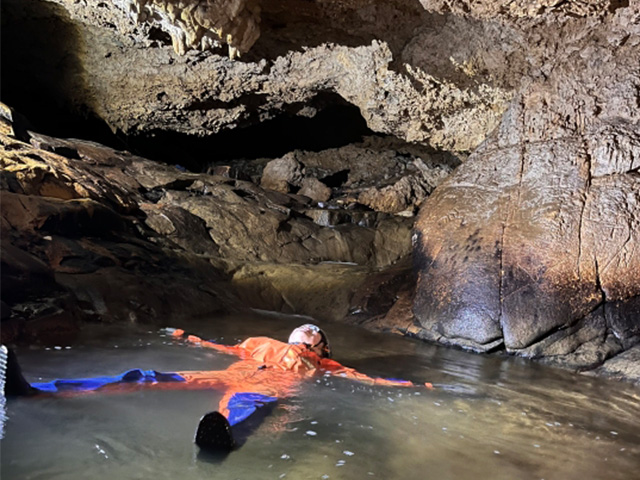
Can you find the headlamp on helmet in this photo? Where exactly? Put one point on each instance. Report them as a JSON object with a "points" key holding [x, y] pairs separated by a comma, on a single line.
{"points": [[312, 336]]}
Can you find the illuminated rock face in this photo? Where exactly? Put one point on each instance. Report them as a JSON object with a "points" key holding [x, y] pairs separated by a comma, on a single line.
{"points": [[90, 233], [532, 245], [523, 8], [148, 66], [200, 24]]}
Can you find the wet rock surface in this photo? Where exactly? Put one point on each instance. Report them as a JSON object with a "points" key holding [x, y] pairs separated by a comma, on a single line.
{"points": [[532, 245], [74, 248], [378, 175], [324, 291]]}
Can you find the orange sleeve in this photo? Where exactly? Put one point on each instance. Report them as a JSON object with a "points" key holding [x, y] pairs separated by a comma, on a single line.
{"points": [[335, 368], [230, 349]]}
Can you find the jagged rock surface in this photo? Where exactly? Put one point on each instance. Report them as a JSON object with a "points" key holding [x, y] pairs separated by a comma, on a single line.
{"points": [[447, 99], [93, 231]]}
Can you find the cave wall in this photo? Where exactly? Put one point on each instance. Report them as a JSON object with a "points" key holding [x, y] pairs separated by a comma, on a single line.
{"points": [[530, 246], [541, 223], [120, 69]]}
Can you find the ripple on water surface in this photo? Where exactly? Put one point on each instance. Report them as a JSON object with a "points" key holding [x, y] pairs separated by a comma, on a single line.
{"points": [[487, 417]]}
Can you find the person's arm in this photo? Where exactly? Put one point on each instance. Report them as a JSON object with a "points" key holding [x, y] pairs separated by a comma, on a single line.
{"points": [[230, 349], [339, 370]]}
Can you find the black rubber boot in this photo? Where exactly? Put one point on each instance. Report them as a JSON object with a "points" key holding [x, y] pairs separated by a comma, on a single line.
{"points": [[214, 433], [14, 382]]}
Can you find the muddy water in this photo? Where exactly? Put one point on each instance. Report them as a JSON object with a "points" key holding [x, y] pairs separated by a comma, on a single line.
{"points": [[487, 418]]}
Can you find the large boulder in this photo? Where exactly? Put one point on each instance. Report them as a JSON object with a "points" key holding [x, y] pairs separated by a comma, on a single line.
{"points": [[281, 174], [533, 245]]}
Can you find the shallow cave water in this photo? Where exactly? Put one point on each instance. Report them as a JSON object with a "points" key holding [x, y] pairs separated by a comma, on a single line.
{"points": [[487, 417]]}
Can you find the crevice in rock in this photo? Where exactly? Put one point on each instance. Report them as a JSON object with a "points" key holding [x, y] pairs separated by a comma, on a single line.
{"points": [[337, 179], [501, 247], [585, 199], [501, 279], [553, 331], [250, 101], [599, 288]]}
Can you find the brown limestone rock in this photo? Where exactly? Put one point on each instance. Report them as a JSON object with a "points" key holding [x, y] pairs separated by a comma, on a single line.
{"points": [[534, 241], [458, 256], [622, 367], [181, 227], [282, 174], [440, 80], [513, 247], [191, 24], [522, 8], [92, 233], [321, 291], [315, 190], [23, 275], [74, 248], [399, 197]]}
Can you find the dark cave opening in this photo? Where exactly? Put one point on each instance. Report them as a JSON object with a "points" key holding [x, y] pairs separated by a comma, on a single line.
{"points": [[39, 70], [336, 125]]}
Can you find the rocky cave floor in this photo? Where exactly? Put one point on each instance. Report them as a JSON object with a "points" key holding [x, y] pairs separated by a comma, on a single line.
{"points": [[95, 234], [91, 233]]}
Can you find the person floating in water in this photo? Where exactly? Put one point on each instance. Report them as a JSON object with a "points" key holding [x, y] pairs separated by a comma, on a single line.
{"points": [[267, 370]]}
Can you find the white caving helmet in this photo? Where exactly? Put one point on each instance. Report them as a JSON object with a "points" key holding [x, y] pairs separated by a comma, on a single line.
{"points": [[312, 336]]}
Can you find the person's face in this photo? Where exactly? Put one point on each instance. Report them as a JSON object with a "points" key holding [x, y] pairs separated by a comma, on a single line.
{"points": [[320, 349]]}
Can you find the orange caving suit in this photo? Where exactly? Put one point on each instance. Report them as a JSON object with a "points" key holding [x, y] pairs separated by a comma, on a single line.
{"points": [[271, 368], [267, 370]]}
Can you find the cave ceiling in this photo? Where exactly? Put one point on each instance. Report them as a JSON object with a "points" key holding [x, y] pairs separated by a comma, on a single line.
{"points": [[435, 73]]}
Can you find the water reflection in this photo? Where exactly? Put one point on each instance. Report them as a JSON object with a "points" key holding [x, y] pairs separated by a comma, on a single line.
{"points": [[489, 417]]}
